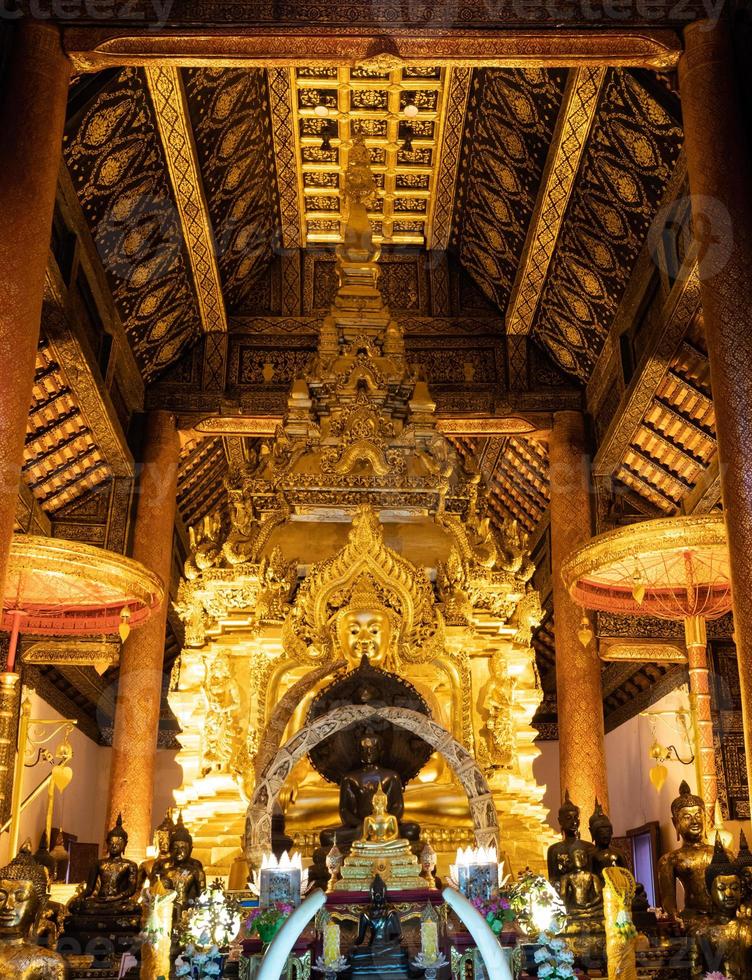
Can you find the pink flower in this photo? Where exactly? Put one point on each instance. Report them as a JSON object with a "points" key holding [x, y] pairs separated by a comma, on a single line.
{"points": [[716, 975]]}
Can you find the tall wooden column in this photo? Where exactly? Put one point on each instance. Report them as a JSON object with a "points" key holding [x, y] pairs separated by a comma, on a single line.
{"points": [[582, 756], [33, 93], [134, 743], [720, 180]]}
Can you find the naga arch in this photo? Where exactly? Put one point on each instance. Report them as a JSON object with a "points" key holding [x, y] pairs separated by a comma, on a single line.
{"points": [[258, 825]]}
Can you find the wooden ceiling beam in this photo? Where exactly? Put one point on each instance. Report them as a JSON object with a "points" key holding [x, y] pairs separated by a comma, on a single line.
{"points": [[576, 114], [173, 121], [673, 445], [697, 427]]}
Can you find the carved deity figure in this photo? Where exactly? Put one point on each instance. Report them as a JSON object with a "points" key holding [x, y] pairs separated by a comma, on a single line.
{"points": [[499, 723], [722, 942], [23, 895], [558, 858], [357, 792], [182, 873], [603, 855], [222, 695], [113, 881], [380, 827], [688, 862], [581, 890]]}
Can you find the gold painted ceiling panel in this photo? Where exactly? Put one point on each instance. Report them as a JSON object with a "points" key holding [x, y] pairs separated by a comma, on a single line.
{"points": [[229, 111], [398, 111], [633, 148], [115, 159]]}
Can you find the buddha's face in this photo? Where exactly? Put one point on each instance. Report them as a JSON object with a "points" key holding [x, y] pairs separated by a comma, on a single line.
{"points": [[569, 821], [726, 892], [116, 845], [181, 851], [690, 824], [379, 804], [602, 834], [365, 632], [370, 751], [19, 904], [162, 840]]}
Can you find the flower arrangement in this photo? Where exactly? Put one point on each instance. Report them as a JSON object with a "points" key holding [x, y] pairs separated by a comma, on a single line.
{"points": [[267, 922], [537, 905], [196, 964], [496, 911], [715, 975], [214, 921], [554, 959]]}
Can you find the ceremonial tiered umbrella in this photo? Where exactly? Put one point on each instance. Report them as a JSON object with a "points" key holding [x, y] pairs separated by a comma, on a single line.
{"points": [[674, 568], [63, 588], [56, 587]]}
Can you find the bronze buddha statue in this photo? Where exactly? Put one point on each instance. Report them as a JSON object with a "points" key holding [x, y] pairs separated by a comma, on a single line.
{"points": [[181, 872], [23, 895], [558, 858], [152, 866], [744, 865], [113, 881], [603, 854], [356, 795], [721, 941], [688, 862], [581, 889]]}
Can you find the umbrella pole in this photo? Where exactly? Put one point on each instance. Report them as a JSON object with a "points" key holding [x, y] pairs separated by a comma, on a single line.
{"points": [[699, 689]]}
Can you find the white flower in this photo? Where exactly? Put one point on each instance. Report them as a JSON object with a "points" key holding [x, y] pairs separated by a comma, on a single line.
{"points": [[546, 970]]}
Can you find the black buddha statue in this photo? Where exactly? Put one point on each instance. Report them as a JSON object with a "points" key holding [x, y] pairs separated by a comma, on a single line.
{"points": [[356, 794], [604, 854], [378, 919], [113, 881], [558, 857]]}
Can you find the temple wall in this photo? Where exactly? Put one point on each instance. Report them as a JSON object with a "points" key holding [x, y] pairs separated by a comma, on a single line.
{"points": [[81, 808]]}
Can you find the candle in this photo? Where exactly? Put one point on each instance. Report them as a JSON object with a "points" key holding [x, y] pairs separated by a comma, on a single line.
{"points": [[331, 943], [429, 941]]}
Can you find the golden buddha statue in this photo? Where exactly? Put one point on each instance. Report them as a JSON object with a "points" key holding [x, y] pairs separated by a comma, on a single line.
{"points": [[113, 881], [688, 862], [380, 827], [744, 865], [380, 850], [364, 628], [23, 895], [581, 889], [181, 872]]}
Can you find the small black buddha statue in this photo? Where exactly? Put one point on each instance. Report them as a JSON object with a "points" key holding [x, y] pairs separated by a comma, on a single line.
{"points": [[181, 872], [721, 941], [112, 884], [378, 919], [152, 867], [558, 856], [356, 794], [603, 855]]}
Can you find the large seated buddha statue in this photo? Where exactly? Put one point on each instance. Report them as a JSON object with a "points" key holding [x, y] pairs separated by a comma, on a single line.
{"points": [[357, 794], [113, 881]]}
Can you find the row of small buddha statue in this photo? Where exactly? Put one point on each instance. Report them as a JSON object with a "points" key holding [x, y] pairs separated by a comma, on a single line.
{"points": [[111, 892], [717, 912], [115, 882]]}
